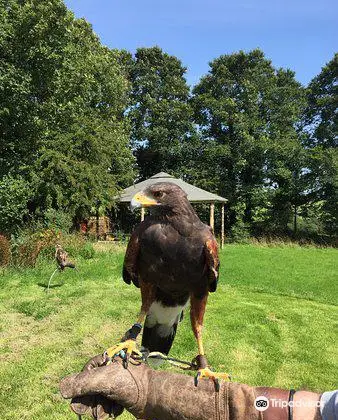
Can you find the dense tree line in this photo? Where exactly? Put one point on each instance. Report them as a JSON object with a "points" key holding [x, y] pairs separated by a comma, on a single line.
{"points": [[64, 140], [79, 121], [249, 132]]}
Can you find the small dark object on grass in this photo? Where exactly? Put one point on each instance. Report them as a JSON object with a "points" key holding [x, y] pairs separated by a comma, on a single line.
{"points": [[61, 257]]}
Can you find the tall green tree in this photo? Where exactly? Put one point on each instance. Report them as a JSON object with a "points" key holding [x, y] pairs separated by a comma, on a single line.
{"points": [[321, 113], [14, 194], [246, 111], [321, 127], [63, 99], [161, 117]]}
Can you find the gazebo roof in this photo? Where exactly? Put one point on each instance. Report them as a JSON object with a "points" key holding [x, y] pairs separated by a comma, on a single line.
{"points": [[195, 194]]}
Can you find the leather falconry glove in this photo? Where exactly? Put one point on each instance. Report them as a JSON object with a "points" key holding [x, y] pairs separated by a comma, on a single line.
{"points": [[104, 390]]}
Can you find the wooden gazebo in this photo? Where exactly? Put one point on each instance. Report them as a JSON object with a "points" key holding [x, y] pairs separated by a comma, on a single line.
{"points": [[195, 195]]}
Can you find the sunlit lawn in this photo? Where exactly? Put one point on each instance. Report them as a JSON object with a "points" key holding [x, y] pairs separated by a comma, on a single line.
{"points": [[272, 321]]}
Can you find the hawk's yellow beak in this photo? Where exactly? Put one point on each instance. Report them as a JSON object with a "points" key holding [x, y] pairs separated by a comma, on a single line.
{"points": [[142, 200]]}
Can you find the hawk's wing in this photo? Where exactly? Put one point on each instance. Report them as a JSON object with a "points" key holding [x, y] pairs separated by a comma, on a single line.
{"points": [[61, 256], [129, 273], [212, 262]]}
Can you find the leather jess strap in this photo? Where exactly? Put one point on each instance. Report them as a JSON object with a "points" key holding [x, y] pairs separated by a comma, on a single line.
{"points": [[278, 407]]}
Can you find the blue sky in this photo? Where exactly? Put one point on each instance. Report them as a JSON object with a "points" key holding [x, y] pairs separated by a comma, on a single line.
{"points": [[299, 34]]}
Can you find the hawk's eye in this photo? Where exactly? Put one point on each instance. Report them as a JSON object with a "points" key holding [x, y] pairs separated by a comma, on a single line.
{"points": [[158, 194]]}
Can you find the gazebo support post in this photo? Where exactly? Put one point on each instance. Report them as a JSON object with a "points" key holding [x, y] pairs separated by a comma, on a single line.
{"points": [[212, 216], [142, 214], [222, 226]]}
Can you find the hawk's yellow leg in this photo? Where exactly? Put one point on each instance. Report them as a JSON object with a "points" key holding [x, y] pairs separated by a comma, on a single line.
{"points": [[127, 345], [196, 313]]}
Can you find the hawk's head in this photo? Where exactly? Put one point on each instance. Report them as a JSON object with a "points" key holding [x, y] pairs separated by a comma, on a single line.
{"points": [[162, 195]]}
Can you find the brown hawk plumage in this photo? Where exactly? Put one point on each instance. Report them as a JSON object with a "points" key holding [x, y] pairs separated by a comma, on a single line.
{"points": [[61, 258], [173, 258]]}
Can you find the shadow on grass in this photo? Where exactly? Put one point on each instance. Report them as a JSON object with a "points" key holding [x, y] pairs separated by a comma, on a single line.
{"points": [[51, 286]]}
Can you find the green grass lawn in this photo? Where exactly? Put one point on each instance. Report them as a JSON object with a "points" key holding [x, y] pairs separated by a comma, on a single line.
{"points": [[272, 321]]}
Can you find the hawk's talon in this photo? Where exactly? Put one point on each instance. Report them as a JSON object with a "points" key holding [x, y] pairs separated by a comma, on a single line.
{"points": [[107, 360], [125, 359], [124, 349], [215, 376], [217, 384], [197, 378], [122, 354]]}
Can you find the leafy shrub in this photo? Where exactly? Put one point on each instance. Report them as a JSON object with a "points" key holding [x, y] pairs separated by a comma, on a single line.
{"points": [[55, 219], [28, 246], [239, 233], [87, 251], [73, 243], [14, 194], [5, 251]]}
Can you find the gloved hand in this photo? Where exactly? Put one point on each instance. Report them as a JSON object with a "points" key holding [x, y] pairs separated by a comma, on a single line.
{"points": [[96, 405], [101, 391]]}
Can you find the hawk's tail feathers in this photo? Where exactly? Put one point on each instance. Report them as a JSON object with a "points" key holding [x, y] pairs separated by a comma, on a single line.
{"points": [[159, 337], [69, 265]]}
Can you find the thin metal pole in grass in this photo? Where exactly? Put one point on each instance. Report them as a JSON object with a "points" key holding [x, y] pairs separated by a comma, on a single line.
{"points": [[50, 279], [54, 272]]}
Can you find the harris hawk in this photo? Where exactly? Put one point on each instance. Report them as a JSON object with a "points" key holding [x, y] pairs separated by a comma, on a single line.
{"points": [[173, 258], [61, 257]]}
